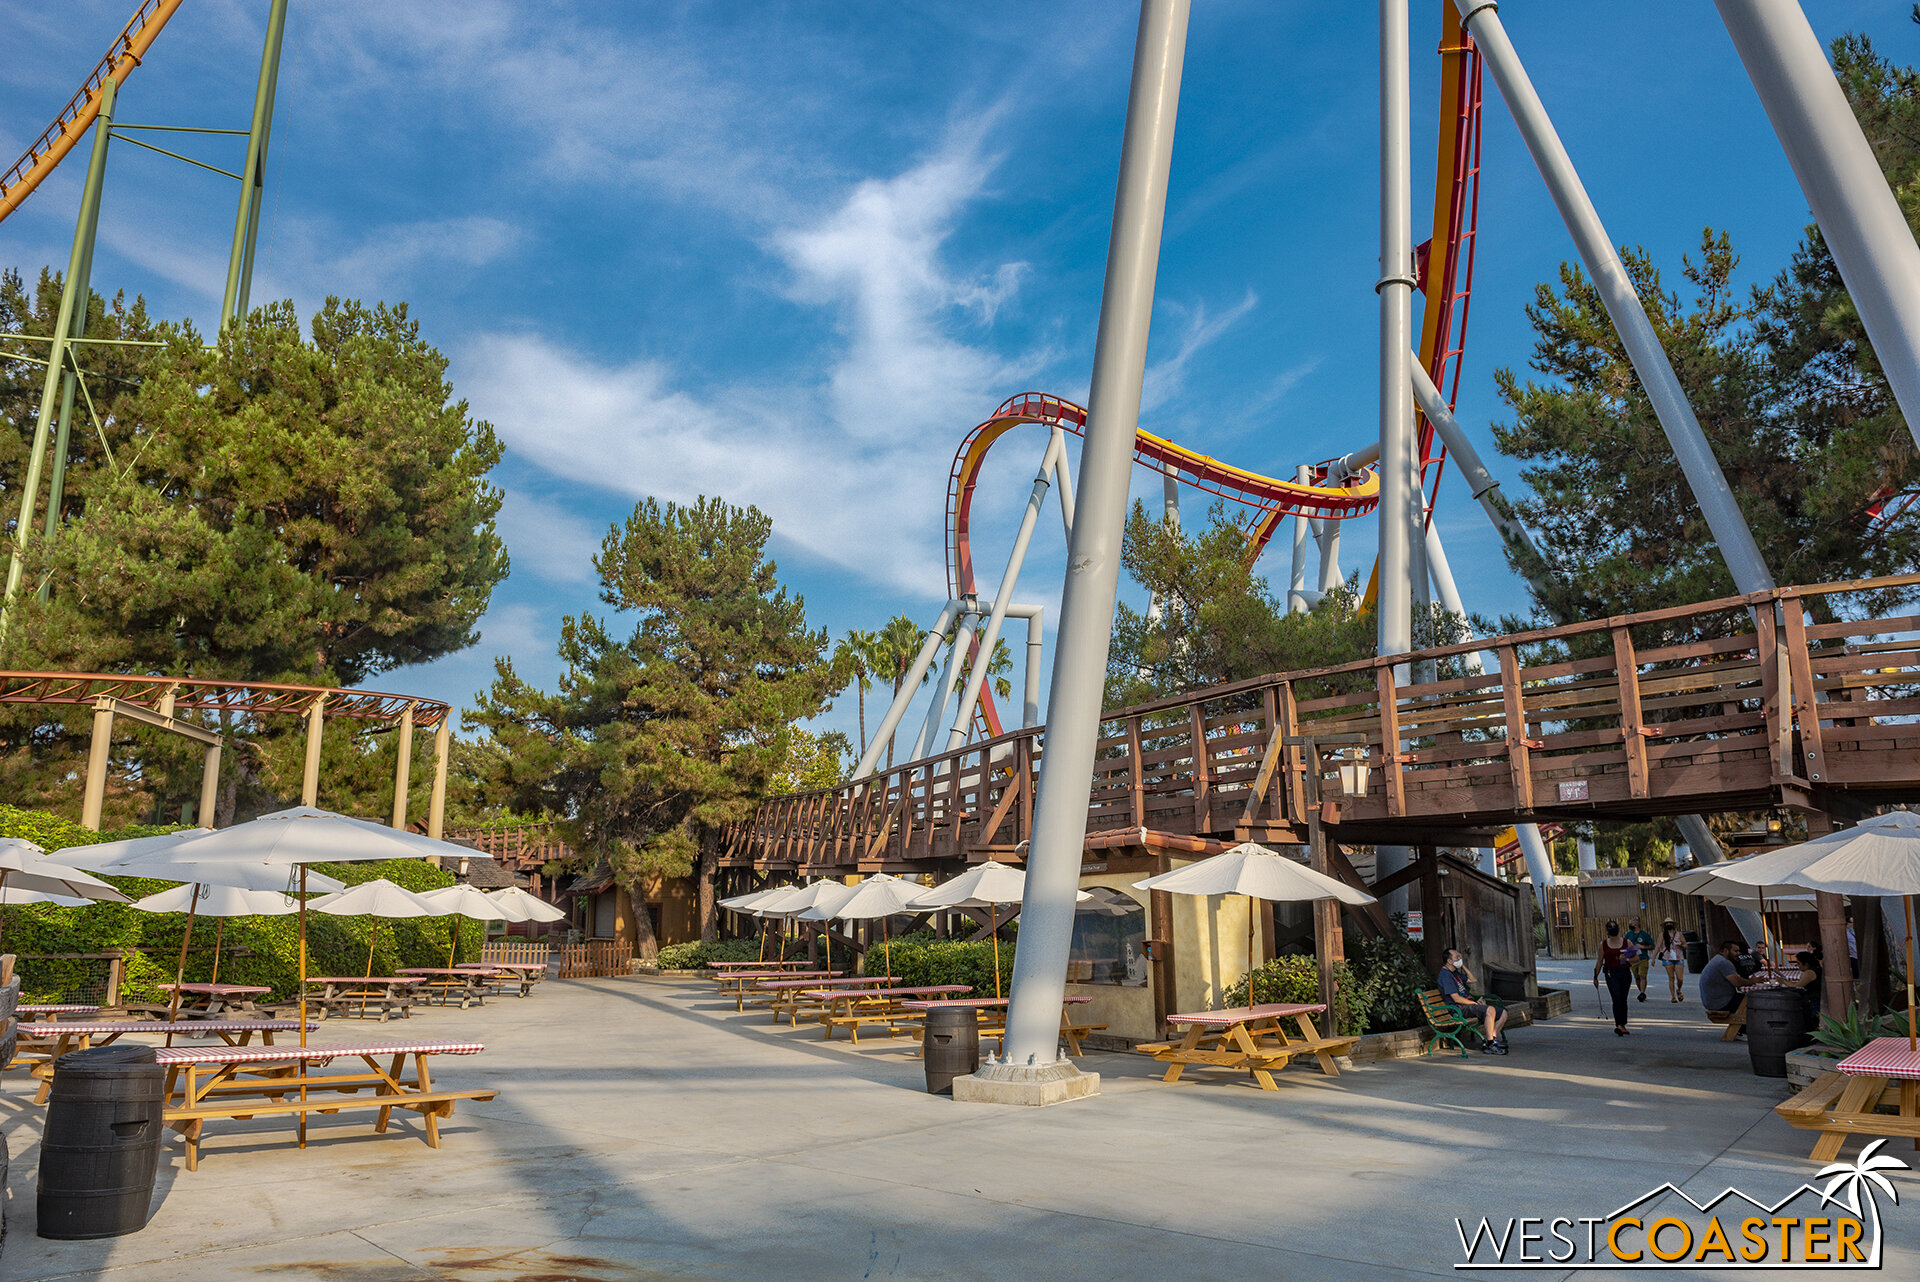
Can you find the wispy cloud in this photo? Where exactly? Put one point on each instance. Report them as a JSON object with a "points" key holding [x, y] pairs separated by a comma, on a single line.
{"points": [[548, 539], [840, 462], [1166, 377]]}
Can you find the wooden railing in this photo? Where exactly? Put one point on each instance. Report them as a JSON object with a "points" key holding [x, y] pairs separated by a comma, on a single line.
{"points": [[594, 959], [515, 952], [1730, 704]]}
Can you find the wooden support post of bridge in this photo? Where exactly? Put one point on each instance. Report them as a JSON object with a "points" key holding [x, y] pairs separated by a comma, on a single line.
{"points": [[1432, 913]]}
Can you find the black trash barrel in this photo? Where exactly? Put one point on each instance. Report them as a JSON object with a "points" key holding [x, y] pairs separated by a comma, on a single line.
{"points": [[1696, 955], [1507, 985], [101, 1146], [952, 1046], [1777, 1020], [9, 1026]]}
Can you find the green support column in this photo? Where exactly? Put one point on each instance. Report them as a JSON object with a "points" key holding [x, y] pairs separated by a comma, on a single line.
{"points": [[73, 300], [246, 222]]}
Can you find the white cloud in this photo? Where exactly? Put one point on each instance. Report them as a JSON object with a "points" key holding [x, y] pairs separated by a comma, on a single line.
{"points": [[518, 630], [841, 464], [548, 539], [1166, 377]]}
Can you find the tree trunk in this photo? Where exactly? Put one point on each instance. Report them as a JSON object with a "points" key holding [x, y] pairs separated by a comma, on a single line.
{"points": [[633, 924], [860, 686], [708, 867]]}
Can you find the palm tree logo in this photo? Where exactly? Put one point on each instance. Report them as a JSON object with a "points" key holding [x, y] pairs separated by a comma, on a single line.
{"points": [[1848, 1181]]}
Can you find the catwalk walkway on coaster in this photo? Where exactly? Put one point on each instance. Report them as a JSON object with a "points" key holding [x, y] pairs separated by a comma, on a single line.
{"points": [[1793, 697]]}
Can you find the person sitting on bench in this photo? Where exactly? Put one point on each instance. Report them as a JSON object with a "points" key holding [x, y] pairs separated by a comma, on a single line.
{"points": [[1454, 982], [1721, 983]]}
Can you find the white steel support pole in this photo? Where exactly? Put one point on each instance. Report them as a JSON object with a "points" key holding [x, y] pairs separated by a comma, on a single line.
{"points": [[1330, 555], [983, 655], [1062, 480], [1449, 594], [1486, 490], [1297, 602], [877, 746], [1539, 860], [1398, 480], [1858, 215], [923, 743], [1032, 1064], [1036, 616], [1690, 448]]}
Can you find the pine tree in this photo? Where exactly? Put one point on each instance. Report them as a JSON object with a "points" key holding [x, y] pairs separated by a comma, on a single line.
{"points": [[653, 742]]}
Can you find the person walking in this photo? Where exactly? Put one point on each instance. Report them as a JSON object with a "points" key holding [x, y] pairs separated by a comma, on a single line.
{"points": [[1643, 958], [1616, 963], [1672, 952]]}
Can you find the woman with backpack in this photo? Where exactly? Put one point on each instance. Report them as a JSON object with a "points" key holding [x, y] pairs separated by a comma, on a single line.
{"points": [[1672, 953], [1616, 962]]}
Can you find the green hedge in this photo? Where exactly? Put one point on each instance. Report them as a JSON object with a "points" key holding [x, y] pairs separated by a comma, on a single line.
{"points": [[920, 959], [335, 945], [1376, 990], [694, 955]]}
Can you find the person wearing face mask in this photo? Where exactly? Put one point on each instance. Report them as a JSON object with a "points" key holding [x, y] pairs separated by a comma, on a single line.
{"points": [[1454, 984]]}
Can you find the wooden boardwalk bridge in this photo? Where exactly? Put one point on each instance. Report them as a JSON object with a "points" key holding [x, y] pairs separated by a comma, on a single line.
{"points": [[1797, 697]]}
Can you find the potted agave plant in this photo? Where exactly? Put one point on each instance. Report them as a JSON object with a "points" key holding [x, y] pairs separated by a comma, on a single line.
{"points": [[1834, 1040]]}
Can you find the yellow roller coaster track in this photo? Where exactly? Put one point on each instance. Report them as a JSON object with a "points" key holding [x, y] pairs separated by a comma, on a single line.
{"points": [[52, 146]]}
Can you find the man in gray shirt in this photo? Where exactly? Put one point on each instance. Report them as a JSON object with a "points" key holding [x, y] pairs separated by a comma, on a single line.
{"points": [[1721, 983]]}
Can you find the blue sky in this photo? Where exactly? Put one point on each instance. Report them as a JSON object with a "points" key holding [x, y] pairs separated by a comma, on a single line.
{"points": [[789, 254]]}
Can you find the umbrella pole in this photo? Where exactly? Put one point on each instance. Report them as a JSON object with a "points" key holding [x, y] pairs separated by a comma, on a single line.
{"points": [[3, 905], [886, 945], [303, 1001], [373, 937], [180, 970], [996, 953], [219, 924], [1252, 912], [1913, 1038]]}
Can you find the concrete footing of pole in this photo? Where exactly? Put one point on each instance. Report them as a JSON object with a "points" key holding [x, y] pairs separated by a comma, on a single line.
{"points": [[1033, 1085]]}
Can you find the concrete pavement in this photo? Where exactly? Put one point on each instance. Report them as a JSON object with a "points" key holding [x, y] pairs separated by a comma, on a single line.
{"points": [[645, 1130]]}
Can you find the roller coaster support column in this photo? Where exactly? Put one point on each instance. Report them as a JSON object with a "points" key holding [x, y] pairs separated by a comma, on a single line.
{"points": [[877, 746], [246, 222], [1399, 477], [1036, 617], [1858, 215], [983, 653], [1033, 1071], [1689, 443], [1399, 482], [75, 290], [1297, 599], [1063, 481], [1486, 490], [924, 743]]}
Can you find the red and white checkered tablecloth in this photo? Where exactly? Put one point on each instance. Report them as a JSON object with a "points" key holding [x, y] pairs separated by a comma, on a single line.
{"points": [[315, 1052], [42, 1008], [1883, 1057]]}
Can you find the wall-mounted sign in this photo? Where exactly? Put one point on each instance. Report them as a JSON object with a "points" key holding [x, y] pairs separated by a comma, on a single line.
{"points": [[1416, 925], [1573, 790]]}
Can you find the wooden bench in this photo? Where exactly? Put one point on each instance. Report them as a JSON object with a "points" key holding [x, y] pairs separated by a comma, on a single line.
{"points": [[1735, 1020]]}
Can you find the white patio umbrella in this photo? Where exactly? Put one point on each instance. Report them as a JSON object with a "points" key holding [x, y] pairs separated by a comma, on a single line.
{"points": [[164, 858], [535, 908], [376, 899], [1711, 884], [747, 904], [1877, 856], [219, 903], [987, 885], [470, 901], [828, 894], [1253, 870], [24, 866], [294, 839], [881, 895]]}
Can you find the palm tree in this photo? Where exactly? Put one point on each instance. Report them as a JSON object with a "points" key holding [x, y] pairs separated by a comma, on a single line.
{"points": [[1850, 1179], [856, 655], [896, 647]]}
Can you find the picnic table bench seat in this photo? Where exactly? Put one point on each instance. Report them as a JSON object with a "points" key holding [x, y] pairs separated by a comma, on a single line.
{"points": [[850, 1008], [1251, 1038], [206, 1083]]}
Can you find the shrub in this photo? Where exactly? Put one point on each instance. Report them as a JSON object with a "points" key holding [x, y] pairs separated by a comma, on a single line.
{"points": [[268, 947], [1296, 979], [920, 959], [697, 954], [1376, 990]]}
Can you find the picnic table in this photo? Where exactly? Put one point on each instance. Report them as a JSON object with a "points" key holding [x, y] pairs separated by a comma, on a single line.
{"points": [[993, 1019], [208, 1000], [724, 966], [790, 996], [1249, 1037], [52, 1040], [1736, 1019], [55, 1008], [212, 1083], [1883, 1073], [467, 983], [392, 994], [871, 1004], [526, 974], [739, 983]]}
